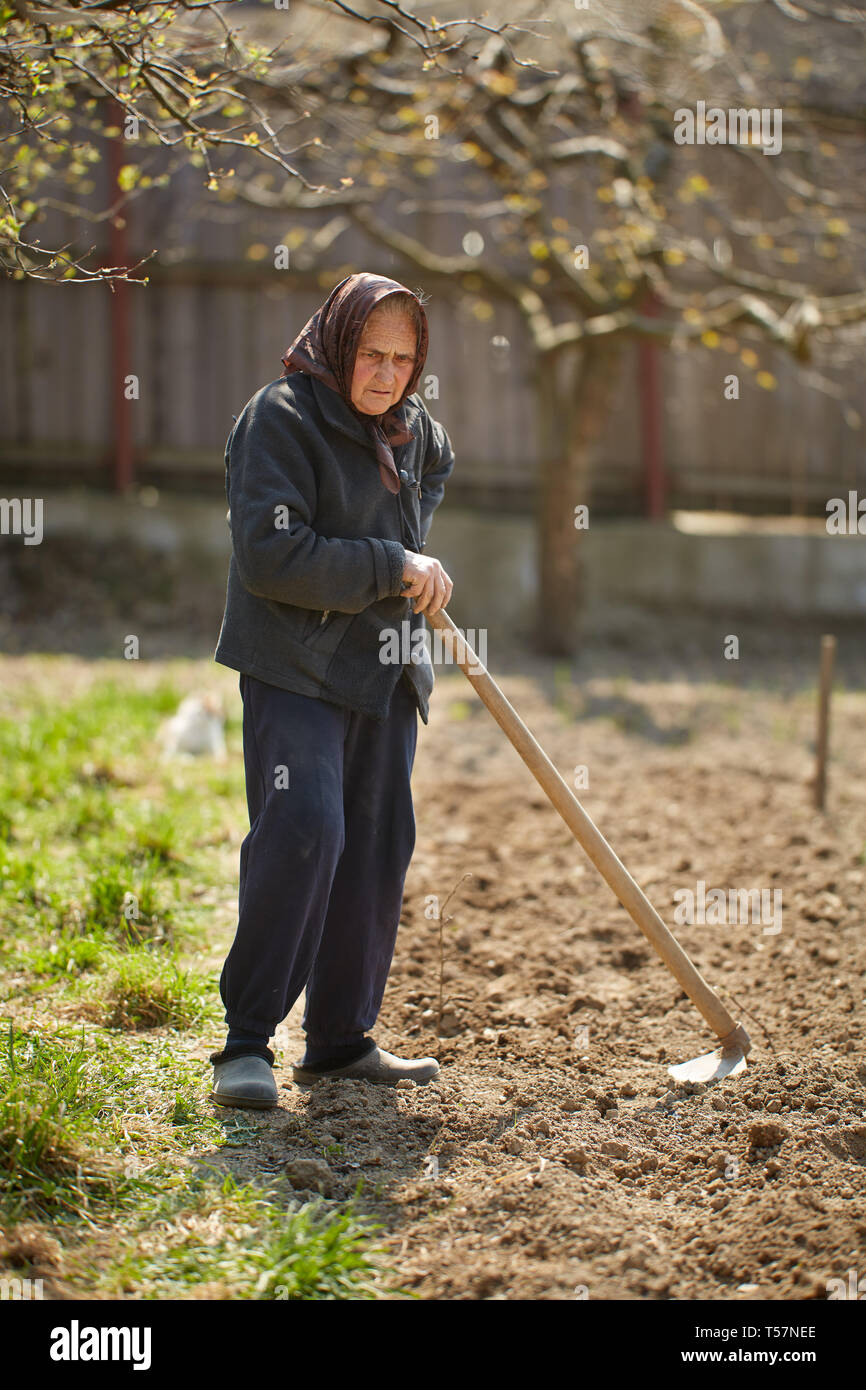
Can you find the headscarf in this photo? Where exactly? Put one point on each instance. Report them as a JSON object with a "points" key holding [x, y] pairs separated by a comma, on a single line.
{"points": [[326, 348]]}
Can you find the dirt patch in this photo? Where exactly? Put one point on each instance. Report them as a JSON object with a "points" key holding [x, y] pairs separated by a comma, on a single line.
{"points": [[555, 1158]]}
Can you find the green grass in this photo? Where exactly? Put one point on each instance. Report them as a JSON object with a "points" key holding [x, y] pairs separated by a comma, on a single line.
{"points": [[66, 955], [83, 736], [80, 1122], [250, 1243], [46, 1169], [147, 992], [108, 859], [126, 904]]}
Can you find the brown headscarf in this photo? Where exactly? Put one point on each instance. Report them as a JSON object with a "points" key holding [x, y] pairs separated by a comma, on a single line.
{"points": [[326, 348]]}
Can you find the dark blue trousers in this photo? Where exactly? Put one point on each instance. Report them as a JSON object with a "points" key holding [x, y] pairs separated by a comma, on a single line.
{"points": [[322, 869]]}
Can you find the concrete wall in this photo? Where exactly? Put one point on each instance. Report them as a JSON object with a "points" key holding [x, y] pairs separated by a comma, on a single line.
{"points": [[698, 562], [758, 571]]}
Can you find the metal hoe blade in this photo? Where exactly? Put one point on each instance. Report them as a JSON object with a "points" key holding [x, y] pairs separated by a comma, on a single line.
{"points": [[712, 1066]]}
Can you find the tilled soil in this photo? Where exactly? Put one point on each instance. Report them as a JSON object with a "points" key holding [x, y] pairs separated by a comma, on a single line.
{"points": [[554, 1158]]}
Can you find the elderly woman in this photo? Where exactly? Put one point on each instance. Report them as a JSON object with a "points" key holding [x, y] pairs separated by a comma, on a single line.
{"points": [[333, 473]]}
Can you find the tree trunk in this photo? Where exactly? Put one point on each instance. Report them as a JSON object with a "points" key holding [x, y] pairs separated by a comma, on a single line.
{"points": [[574, 394]]}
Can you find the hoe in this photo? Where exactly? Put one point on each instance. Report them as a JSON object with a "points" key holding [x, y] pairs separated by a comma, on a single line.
{"points": [[729, 1057]]}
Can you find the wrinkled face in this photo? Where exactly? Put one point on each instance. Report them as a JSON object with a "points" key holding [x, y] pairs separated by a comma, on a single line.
{"points": [[384, 362]]}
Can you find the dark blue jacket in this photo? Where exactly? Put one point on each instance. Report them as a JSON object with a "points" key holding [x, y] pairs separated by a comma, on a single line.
{"points": [[319, 545]]}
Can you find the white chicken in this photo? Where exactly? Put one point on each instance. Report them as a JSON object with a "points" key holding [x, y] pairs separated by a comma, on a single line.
{"points": [[196, 729]]}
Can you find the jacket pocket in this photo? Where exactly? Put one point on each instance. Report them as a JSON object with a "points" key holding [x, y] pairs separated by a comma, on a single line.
{"points": [[296, 622], [326, 628], [314, 620], [314, 623]]}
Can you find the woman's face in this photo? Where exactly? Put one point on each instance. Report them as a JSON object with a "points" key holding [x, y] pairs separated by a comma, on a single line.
{"points": [[383, 363]]}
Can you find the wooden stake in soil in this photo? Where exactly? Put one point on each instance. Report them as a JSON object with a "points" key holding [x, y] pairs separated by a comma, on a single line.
{"points": [[825, 684]]}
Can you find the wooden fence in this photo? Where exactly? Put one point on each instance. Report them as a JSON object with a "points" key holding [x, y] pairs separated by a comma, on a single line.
{"points": [[210, 328]]}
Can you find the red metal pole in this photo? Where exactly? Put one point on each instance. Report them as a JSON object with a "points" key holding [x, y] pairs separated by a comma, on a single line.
{"points": [[118, 252], [649, 386]]}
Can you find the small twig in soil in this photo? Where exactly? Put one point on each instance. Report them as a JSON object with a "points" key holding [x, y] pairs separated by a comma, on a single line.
{"points": [[442, 920], [742, 1007]]}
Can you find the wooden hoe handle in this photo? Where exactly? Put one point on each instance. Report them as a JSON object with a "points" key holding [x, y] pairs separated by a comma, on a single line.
{"points": [[587, 834]]}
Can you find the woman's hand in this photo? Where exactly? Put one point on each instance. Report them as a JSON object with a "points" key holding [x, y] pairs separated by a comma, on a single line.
{"points": [[425, 581]]}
